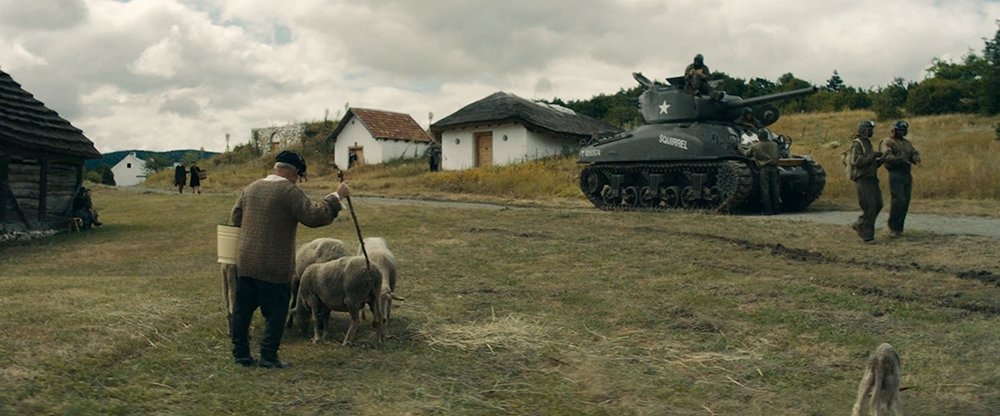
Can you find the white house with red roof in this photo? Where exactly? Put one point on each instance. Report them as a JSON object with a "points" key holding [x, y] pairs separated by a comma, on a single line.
{"points": [[366, 136]]}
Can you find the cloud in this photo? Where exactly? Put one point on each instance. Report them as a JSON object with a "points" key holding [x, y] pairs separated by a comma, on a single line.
{"points": [[182, 106], [42, 14], [168, 74]]}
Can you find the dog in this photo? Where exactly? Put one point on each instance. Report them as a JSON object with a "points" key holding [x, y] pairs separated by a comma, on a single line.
{"points": [[74, 223], [881, 381]]}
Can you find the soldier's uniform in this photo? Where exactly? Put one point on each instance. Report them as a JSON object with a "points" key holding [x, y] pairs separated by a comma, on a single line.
{"points": [[866, 161], [765, 154], [696, 77], [898, 155]]}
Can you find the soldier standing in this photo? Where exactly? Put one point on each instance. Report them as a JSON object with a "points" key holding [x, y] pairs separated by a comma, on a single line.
{"points": [[864, 162], [765, 154], [898, 155]]}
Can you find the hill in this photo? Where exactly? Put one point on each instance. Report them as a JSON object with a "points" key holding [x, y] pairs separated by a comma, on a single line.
{"points": [[112, 158]]}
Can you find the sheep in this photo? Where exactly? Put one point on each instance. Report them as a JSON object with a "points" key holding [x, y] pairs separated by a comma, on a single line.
{"points": [[342, 285], [320, 250], [382, 258]]}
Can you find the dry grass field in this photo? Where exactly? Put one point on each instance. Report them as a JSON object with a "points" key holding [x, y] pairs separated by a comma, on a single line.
{"points": [[548, 307]]}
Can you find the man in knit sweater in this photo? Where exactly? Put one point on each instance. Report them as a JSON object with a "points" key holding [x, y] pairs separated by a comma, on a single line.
{"points": [[268, 213]]}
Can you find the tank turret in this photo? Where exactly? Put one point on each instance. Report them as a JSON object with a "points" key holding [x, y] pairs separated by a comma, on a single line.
{"points": [[672, 103], [689, 155]]}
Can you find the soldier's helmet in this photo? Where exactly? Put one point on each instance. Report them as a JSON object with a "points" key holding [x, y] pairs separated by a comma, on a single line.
{"points": [[763, 134], [698, 59], [902, 127], [866, 126]]}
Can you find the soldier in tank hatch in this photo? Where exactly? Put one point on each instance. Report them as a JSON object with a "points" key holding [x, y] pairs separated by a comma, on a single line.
{"points": [[696, 76]]}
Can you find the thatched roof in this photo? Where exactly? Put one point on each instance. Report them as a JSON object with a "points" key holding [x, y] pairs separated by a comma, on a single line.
{"points": [[28, 124], [386, 125], [502, 107]]}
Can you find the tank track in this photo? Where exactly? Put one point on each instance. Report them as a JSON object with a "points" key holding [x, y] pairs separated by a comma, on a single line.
{"points": [[719, 186], [800, 201]]}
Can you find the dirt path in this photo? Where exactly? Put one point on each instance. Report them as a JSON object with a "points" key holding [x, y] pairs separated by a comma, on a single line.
{"points": [[938, 224]]}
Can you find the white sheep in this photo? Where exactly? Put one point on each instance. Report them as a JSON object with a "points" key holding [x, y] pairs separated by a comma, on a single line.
{"points": [[344, 285], [320, 250], [382, 258]]}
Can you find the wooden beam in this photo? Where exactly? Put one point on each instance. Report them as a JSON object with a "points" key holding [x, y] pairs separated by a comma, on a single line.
{"points": [[17, 208]]}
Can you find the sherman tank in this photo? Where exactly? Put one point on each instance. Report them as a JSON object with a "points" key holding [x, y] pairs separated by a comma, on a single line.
{"points": [[689, 155]]}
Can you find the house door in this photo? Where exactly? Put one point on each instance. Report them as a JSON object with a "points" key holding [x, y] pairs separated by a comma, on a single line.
{"points": [[484, 149], [355, 157]]}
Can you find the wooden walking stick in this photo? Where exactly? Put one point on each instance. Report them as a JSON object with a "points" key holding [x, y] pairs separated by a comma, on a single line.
{"points": [[368, 263], [340, 177]]}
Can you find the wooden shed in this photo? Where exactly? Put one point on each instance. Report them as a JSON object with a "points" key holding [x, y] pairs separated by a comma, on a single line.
{"points": [[41, 162]]}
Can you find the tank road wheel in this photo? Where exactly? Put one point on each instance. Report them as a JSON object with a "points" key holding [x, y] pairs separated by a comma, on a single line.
{"points": [[630, 197], [671, 196], [610, 199], [689, 198], [648, 198], [593, 182]]}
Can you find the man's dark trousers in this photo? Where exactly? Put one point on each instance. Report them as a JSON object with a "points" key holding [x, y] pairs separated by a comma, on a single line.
{"points": [[272, 299], [900, 188], [870, 201], [770, 189]]}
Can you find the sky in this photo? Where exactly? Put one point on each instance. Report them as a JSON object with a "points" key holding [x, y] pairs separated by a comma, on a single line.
{"points": [[181, 74]]}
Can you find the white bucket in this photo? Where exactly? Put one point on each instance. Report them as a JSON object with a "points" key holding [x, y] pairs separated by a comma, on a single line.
{"points": [[229, 239]]}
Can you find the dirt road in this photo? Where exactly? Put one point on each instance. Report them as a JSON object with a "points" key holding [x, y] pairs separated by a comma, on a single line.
{"points": [[938, 224]]}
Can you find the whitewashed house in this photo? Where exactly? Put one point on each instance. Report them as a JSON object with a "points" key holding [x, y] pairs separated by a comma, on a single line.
{"points": [[503, 129], [130, 171], [375, 136]]}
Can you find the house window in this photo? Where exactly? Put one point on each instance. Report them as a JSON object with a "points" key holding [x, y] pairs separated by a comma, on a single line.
{"points": [[505, 137], [128, 165], [457, 141]]}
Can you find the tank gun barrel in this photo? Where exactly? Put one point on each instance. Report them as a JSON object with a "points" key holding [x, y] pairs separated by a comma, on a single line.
{"points": [[772, 97]]}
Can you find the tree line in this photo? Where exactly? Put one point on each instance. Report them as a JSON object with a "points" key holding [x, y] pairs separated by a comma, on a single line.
{"points": [[969, 86]]}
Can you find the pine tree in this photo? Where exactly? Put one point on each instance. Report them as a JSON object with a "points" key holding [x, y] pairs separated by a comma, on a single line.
{"points": [[835, 83]]}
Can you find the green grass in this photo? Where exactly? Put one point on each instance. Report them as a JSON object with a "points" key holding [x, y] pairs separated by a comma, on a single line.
{"points": [[516, 311]]}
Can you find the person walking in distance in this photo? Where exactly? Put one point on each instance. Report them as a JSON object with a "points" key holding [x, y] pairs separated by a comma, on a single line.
{"points": [[195, 178], [899, 156], [864, 162], [268, 213], [765, 154], [180, 177]]}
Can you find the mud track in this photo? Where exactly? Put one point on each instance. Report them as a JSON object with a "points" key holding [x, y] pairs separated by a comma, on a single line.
{"points": [[811, 257]]}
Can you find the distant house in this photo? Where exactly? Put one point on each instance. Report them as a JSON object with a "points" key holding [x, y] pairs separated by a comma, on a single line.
{"points": [[503, 129], [41, 162], [130, 171], [367, 136]]}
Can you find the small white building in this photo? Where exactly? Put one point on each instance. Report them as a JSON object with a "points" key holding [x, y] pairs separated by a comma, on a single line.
{"points": [[375, 136], [504, 129], [130, 171]]}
